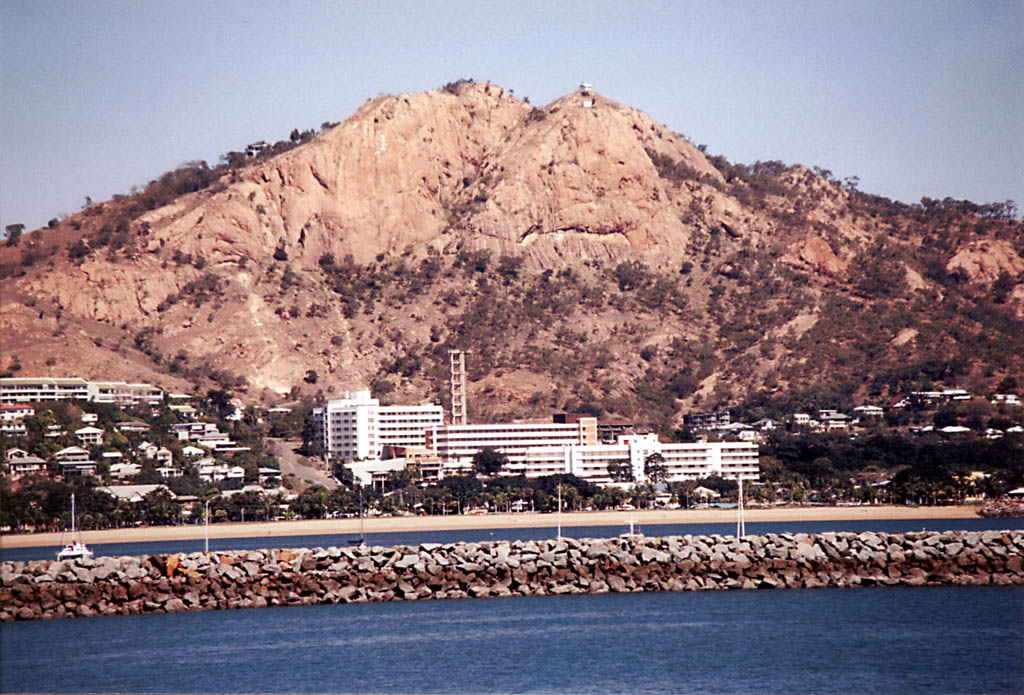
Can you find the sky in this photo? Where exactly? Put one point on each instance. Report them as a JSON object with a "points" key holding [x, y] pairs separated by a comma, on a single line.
{"points": [[915, 98]]}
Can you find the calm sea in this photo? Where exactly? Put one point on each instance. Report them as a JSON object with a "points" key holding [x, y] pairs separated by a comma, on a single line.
{"points": [[877, 640], [476, 535]]}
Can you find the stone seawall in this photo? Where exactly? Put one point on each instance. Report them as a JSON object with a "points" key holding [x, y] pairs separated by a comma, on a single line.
{"points": [[255, 578]]}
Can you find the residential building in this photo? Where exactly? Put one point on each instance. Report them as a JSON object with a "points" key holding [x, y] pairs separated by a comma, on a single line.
{"points": [[134, 493], [72, 453], [688, 461], [133, 426], [459, 443], [706, 421], [124, 470], [1006, 399], [90, 436], [76, 469], [12, 412], [122, 393], [36, 389], [185, 411], [32, 390], [21, 463], [358, 427]]}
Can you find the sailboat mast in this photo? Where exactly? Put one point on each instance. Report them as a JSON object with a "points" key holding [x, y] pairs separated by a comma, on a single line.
{"points": [[362, 532], [741, 526], [559, 487]]}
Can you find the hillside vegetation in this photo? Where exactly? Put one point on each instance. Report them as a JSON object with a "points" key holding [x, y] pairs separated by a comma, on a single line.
{"points": [[588, 258]]}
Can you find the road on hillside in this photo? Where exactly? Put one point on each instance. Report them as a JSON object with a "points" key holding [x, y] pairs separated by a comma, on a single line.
{"points": [[284, 450]]}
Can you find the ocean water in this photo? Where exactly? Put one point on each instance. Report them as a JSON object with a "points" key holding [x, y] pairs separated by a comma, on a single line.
{"points": [[477, 535], [869, 640]]}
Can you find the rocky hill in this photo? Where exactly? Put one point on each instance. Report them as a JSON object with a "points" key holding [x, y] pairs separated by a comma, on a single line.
{"points": [[590, 259]]}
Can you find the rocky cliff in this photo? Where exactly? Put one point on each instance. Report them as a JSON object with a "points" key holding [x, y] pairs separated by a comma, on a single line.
{"points": [[558, 242]]}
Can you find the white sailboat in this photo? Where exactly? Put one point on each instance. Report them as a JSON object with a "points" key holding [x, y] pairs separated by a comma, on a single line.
{"points": [[76, 549], [632, 532]]}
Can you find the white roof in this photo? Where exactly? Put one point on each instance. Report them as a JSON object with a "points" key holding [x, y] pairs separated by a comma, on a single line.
{"points": [[955, 429], [128, 492], [89, 430]]}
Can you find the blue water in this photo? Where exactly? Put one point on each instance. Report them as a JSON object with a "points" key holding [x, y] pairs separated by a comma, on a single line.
{"points": [[878, 640], [474, 535]]}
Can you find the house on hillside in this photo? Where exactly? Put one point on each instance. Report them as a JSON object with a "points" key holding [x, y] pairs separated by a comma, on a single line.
{"points": [[76, 469], [12, 418], [21, 463], [90, 436], [72, 453], [124, 470]]}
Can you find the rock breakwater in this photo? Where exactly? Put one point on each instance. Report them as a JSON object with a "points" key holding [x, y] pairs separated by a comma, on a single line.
{"points": [[257, 578]]}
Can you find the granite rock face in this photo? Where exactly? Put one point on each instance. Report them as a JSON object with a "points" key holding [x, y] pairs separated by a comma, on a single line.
{"points": [[258, 578]]}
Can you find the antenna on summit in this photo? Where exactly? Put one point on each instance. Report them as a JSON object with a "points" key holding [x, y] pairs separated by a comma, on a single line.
{"points": [[587, 92]]}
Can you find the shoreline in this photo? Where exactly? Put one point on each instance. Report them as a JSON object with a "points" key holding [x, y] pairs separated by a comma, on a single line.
{"points": [[313, 527]]}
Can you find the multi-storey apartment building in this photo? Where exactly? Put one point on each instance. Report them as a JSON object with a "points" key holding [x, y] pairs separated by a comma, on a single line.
{"points": [[358, 427], [691, 461], [22, 390], [32, 390], [706, 421], [123, 393], [459, 443]]}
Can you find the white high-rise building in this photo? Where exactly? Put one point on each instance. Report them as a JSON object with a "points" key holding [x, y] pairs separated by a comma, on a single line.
{"points": [[357, 427], [691, 461]]}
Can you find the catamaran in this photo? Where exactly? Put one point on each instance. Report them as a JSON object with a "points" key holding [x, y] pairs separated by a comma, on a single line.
{"points": [[76, 549]]}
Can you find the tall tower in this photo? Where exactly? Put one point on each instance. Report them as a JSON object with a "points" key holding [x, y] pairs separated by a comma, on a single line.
{"points": [[457, 362]]}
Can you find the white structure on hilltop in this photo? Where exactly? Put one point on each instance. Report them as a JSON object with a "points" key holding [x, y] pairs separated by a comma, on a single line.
{"points": [[358, 427]]}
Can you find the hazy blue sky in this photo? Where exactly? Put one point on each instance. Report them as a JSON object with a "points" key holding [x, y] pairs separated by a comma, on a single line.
{"points": [[916, 98]]}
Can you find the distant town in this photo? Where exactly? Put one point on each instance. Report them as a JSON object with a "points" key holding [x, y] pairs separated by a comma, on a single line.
{"points": [[135, 454]]}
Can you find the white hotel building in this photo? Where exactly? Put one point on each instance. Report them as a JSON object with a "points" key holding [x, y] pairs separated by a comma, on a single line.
{"points": [[691, 461], [458, 443], [539, 449], [358, 427]]}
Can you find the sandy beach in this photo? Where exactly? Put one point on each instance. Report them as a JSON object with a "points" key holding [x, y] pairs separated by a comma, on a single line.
{"points": [[284, 529]]}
